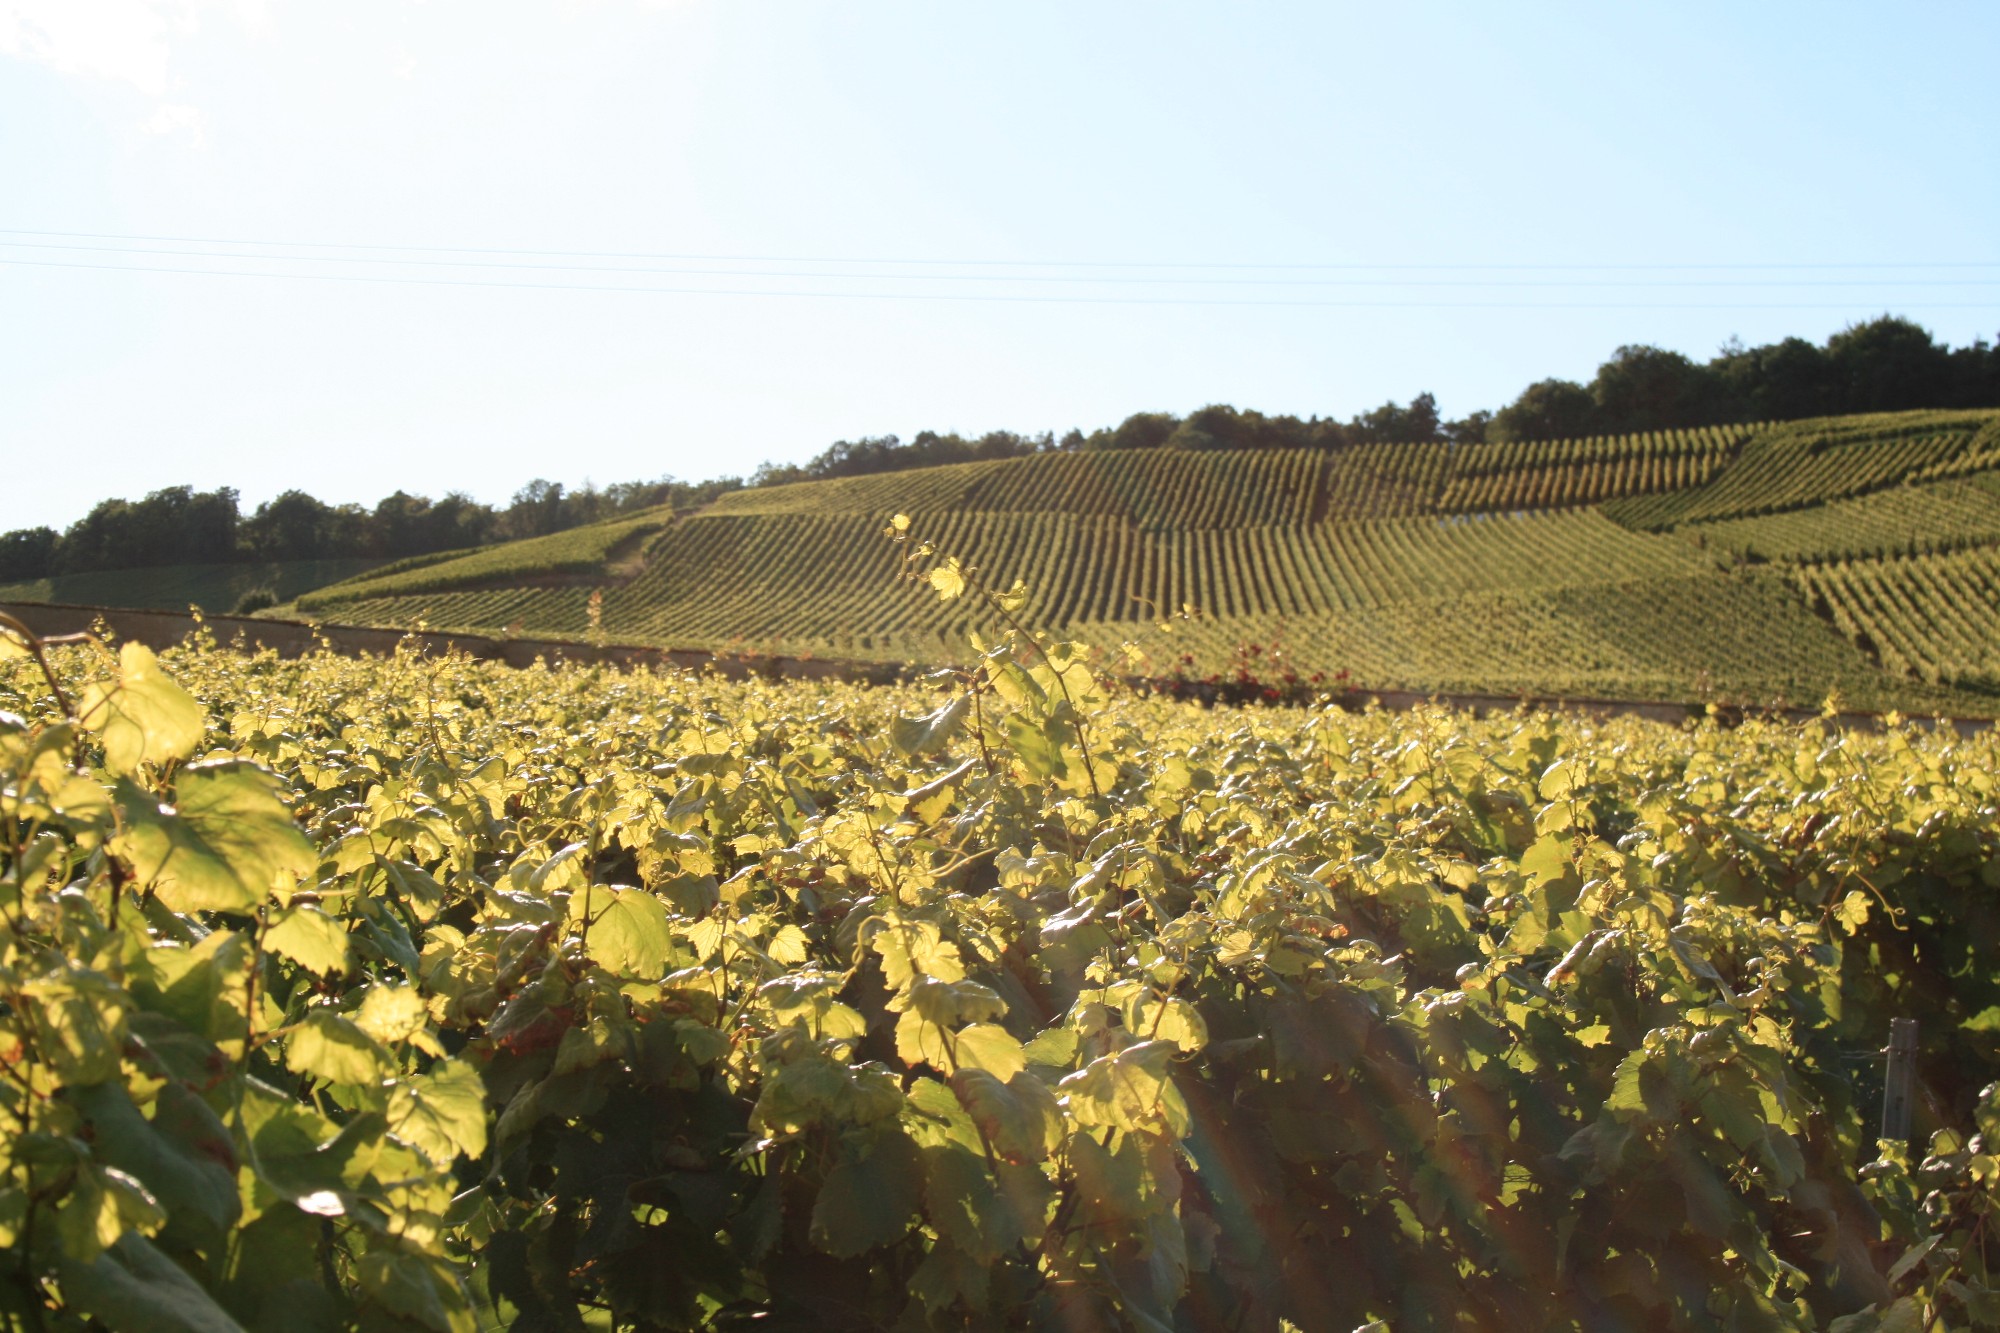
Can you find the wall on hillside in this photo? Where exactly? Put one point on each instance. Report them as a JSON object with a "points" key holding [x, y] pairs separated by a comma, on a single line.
{"points": [[295, 638]]}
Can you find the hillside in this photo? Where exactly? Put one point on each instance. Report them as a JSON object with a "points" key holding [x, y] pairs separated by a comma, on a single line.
{"points": [[1753, 563], [214, 588]]}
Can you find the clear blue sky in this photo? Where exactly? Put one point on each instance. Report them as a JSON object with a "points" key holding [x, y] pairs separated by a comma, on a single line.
{"points": [[1490, 193]]}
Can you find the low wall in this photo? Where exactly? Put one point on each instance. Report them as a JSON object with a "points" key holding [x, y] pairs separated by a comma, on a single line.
{"points": [[294, 638]]}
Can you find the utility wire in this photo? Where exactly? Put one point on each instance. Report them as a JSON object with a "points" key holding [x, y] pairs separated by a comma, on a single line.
{"points": [[1530, 283], [1007, 263], [1049, 299]]}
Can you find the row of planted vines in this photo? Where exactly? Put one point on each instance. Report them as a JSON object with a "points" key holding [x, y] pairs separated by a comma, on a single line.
{"points": [[1935, 617], [424, 994], [1798, 464], [783, 576], [1177, 488], [1535, 474], [1902, 520]]}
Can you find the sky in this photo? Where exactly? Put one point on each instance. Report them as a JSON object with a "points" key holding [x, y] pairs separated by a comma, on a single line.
{"points": [[460, 244]]}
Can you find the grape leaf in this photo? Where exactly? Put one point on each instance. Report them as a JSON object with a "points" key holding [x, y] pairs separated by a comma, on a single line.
{"points": [[134, 1288], [870, 1198], [331, 1047], [990, 1047], [143, 716], [310, 938], [442, 1113], [630, 936], [224, 843], [948, 579]]}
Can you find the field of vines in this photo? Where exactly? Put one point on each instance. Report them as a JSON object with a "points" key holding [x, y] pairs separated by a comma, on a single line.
{"points": [[1379, 560], [422, 994], [1811, 462], [1935, 617], [1902, 520], [1542, 474], [1747, 637], [1174, 489], [769, 573]]}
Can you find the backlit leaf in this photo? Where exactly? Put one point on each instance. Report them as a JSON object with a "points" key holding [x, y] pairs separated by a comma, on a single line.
{"points": [[222, 846], [948, 579], [630, 936], [442, 1112], [143, 716], [331, 1047], [310, 938]]}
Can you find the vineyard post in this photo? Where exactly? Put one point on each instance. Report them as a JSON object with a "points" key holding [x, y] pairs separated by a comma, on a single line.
{"points": [[1899, 1080]]}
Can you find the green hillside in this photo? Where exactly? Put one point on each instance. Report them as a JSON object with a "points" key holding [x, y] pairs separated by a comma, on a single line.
{"points": [[215, 588], [1855, 554]]}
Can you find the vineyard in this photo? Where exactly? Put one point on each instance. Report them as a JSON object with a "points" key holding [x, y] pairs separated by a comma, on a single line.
{"points": [[1170, 489], [1765, 641], [1903, 520], [424, 994], [1811, 462], [1935, 617], [1615, 567], [761, 575]]}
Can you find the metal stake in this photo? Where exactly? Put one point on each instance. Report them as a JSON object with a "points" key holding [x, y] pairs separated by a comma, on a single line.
{"points": [[1898, 1082]]}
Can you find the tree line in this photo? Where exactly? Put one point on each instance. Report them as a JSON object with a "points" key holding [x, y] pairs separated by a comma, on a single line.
{"points": [[1883, 365], [180, 525], [1888, 364]]}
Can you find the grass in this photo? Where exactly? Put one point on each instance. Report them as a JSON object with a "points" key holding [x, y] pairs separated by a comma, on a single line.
{"points": [[588, 550], [216, 589]]}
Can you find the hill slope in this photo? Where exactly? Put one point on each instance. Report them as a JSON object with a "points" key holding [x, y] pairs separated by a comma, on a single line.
{"points": [[214, 588], [1851, 553]]}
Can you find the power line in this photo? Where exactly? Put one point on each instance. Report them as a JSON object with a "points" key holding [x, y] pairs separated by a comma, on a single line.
{"points": [[1050, 299], [691, 257], [1588, 283]]}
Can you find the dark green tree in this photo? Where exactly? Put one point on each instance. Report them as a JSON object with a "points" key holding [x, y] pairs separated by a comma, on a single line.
{"points": [[27, 553], [1546, 410], [1649, 388], [1887, 365]]}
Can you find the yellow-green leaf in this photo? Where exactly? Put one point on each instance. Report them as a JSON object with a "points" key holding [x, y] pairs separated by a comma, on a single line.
{"points": [[143, 716], [441, 1113], [310, 938], [990, 1047], [1019, 1117], [222, 846], [630, 936], [391, 1014], [948, 579], [331, 1047], [1128, 1090]]}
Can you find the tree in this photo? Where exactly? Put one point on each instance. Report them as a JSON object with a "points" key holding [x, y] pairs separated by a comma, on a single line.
{"points": [[1887, 365], [1470, 429], [1649, 388], [1141, 430], [536, 511], [27, 553], [1780, 381], [171, 526], [1393, 423], [292, 526], [1546, 410]]}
